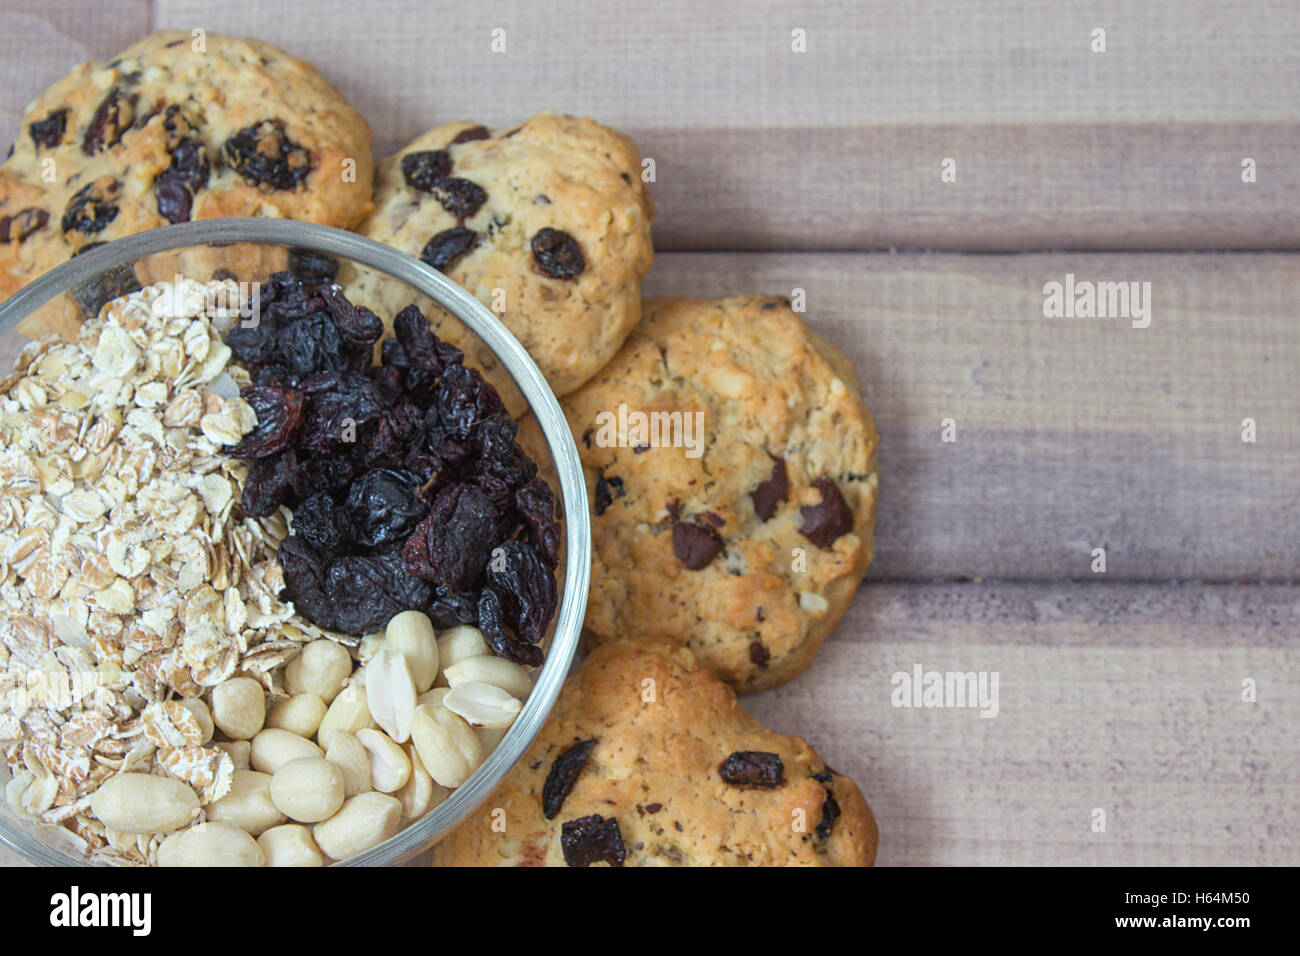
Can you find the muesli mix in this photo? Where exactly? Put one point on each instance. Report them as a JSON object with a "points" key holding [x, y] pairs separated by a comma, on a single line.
{"points": [[201, 517]]}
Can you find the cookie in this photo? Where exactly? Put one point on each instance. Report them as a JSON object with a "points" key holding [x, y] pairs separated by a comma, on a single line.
{"points": [[731, 469], [648, 760], [168, 132], [546, 223]]}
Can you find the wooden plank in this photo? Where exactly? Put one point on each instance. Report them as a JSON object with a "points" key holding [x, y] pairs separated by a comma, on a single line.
{"points": [[1071, 433], [1120, 697], [41, 41]]}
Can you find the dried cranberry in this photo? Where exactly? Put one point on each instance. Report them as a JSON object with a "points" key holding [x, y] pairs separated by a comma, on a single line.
{"points": [[339, 403], [695, 546], [448, 246], [563, 774], [22, 224], [526, 587], [536, 505], [471, 134], [557, 254], [112, 118], [48, 133], [177, 184], [501, 467], [420, 347], [591, 839], [829, 518], [460, 197], [451, 546], [313, 267], [497, 634], [753, 768], [319, 522], [464, 399], [425, 169], [279, 414], [607, 489], [92, 207], [830, 813], [358, 326], [355, 594], [269, 484], [264, 155], [771, 492], [383, 506]]}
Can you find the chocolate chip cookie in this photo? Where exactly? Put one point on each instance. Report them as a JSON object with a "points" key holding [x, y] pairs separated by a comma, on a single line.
{"points": [[647, 760], [178, 127], [546, 223], [731, 468]]}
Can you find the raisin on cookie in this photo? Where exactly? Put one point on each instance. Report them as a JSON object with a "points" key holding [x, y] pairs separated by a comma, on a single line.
{"points": [[546, 223], [731, 470], [172, 130], [648, 760]]}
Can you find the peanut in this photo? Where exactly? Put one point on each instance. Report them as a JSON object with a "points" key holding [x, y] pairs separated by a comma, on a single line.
{"points": [[273, 748], [390, 693], [239, 707], [457, 643], [448, 747], [349, 711], [366, 820], [210, 844], [353, 761], [497, 671], [411, 635], [390, 768], [238, 750], [482, 705], [301, 714], [248, 805], [320, 669], [308, 790], [421, 794], [290, 845], [143, 803]]}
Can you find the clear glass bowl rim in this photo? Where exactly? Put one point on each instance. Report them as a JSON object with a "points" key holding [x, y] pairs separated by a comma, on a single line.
{"points": [[87, 267]]}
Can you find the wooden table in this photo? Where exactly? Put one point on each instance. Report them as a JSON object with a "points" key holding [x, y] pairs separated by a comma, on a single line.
{"points": [[822, 170]]}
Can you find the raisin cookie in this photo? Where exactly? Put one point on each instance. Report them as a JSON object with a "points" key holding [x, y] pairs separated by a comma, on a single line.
{"points": [[648, 760], [547, 224], [731, 467], [177, 127]]}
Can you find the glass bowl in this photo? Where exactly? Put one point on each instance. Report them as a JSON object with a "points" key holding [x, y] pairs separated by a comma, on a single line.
{"points": [[249, 249]]}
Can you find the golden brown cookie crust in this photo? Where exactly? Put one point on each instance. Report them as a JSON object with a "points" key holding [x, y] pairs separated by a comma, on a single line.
{"points": [[551, 172], [228, 86], [655, 768], [767, 387]]}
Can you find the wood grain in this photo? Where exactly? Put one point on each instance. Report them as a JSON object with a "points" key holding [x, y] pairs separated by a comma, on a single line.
{"points": [[1071, 433], [1126, 698]]}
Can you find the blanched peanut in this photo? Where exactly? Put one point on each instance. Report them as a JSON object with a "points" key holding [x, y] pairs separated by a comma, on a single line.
{"points": [[320, 669], [308, 790], [457, 643], [349, 711], [370, 646], [434, 696], [448, 747], [248, 805], [497, 671], [421, 794], [390, 693], [238, 750], [202, 715], [482, 705], [143, 803], [353, 761], [210, 844], [273, 748], [301, 714], [411, 635], [366, 820], [290, 845], [239, 707], [390, 768]]}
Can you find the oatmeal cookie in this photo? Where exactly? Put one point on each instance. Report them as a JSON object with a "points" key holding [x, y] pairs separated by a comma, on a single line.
{"points": [[546, 223], [747, 540], [648, 760], [167, 132]]}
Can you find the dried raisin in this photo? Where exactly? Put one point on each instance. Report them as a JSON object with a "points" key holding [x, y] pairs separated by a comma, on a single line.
{"points": [[557, 254], [563, 774], [460, 197], [471, 134], [48, 133], [607, 489], [112, 118], [92, 207], [753, 768], [591, 839], [448, 246], [22, 224], [424, 170], [264, 155]]}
